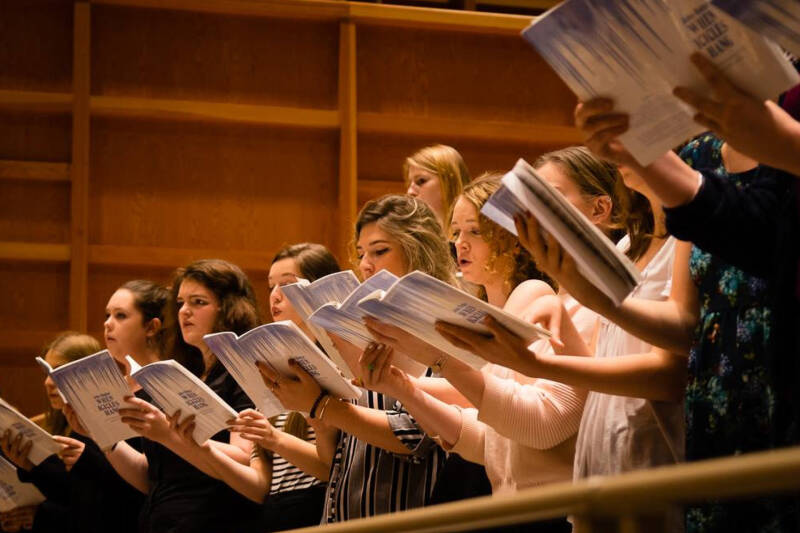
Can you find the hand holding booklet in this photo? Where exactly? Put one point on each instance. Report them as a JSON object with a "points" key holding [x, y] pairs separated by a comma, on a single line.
{"points": [[417, 301], [174, 389], [43, 444], [637, 51], [274, 345], [596, 257], [13, 492], [306, 297], [95, 388]]}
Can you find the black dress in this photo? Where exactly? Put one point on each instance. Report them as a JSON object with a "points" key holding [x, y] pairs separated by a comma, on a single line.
{"points": [[182, 499]]}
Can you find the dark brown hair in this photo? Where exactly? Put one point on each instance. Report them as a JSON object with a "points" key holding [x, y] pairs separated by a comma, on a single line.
{"points": [[149, 298], [313, 260], [238, 309]]}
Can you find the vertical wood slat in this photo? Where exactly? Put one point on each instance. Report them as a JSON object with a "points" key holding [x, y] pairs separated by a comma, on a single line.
{"points": [[79, 202], [348, 151]]}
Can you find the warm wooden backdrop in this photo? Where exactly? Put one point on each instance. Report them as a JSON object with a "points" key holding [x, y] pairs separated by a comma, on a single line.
{"points": [[137, 135]]}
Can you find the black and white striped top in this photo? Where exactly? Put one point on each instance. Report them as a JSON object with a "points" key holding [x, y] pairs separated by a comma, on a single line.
{"points": [[285, 476], [366, 480]]}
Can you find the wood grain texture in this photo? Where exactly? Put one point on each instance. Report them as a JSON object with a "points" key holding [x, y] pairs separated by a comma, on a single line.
{"points": [[348, 136], [35, 296], [34, 171], [216, 58], [35, 211], [467, 76], [35, 137], [36, 101], [211, 186], [23, 386], [39, 60]]}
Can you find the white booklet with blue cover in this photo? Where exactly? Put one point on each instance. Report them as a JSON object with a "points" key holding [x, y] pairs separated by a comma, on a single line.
{"points": [[43, 443], [637, 51], [346, 319], [172, 387], [306, 297], [417, 301], [596, 257], [778, 20], [275, 344], [95, 387], [13, 492]]}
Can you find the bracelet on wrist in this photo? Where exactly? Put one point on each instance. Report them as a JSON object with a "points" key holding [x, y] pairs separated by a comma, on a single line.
{"points": [[313, 412], [322, 409], [438, 365]]}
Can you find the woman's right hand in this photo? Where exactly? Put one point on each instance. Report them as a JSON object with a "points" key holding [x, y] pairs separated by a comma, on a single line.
{"points": [[18, 519], [380, 375], [601, 126], [254, 426], [146, 419], [71, 450], [16, 449]]}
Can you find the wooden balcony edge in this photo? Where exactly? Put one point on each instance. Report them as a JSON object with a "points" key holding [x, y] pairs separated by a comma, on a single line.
{"points": [[36, 101], [34, 171], [35, 251]]}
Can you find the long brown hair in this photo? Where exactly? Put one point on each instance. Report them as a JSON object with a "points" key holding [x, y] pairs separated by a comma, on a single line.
{"points": [[238, 309], [630, 212], [71, 346]]}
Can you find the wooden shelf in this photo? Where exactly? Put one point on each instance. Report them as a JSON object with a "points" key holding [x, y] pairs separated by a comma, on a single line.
{"points": [[446, 19], [153, 256], [36, 101], [303, 9], [467, 129], [120, 106], [34, 171], [359, 12], [35, 251]]}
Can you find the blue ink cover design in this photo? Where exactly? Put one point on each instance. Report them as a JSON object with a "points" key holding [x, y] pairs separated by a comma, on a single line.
{"points": [[778, 20], [14, 493], [43, 443]]}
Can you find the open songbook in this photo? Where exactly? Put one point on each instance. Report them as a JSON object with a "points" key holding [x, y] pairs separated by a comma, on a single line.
{"points": [[174, 388], [95, 388], [637, 51], [306, 297], [778, 20], [275, 344], [597, 258], [13, 492], [43, 443], [417, 300], [345, 319]]}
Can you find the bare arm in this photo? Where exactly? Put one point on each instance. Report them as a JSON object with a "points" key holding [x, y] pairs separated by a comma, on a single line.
{"points": [[130, 465]]}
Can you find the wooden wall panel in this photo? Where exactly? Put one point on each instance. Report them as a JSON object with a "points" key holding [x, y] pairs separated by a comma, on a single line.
{"points": [[182, 55], [463, 75], [35, 297], [35, 137], [39, 60], [23, 387], [34, 211], [210, 186]]}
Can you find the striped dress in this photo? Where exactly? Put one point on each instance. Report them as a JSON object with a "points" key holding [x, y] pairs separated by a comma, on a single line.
{"points": [[367, 481], [285, 476]]}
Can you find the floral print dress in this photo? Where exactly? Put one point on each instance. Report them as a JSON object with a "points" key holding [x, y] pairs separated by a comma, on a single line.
{"points": [[730, 402]]}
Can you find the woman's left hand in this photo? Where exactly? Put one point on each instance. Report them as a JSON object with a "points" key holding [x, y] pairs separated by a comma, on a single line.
{"points": [[146, 419], [16, 449], [295, 393], [402, 341]]}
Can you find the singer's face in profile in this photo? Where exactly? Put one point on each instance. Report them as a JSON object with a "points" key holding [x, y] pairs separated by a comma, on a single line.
{"points": [[124, 330], [563, 184], [197, 312], [378, 251], [55, 360], [425, 186], [282, 272], [471, 250]]}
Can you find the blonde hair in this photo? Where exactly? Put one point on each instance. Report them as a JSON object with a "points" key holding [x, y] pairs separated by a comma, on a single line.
{"points": [[630, 212], [413, 225], [502, 244], [447, 164]]}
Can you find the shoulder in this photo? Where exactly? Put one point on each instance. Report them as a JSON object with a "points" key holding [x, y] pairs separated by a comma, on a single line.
{"points": [[525, 293]]}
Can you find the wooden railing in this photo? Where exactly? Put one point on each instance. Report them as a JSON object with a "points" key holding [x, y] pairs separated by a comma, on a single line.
{"points": [[631, 503]]}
